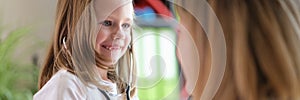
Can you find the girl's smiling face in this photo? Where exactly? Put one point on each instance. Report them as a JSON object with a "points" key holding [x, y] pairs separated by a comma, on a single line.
{"points": [[114, 35]]}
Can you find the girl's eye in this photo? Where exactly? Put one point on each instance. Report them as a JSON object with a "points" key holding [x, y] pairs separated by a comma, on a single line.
{"points": [[126, 25], [107, 23]]}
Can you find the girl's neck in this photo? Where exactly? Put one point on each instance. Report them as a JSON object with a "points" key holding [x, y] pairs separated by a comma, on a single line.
{"points": [[103, 71], [103, 74]]}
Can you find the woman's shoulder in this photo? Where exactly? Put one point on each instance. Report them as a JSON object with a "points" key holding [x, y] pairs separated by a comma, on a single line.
{"points": [[63, 84]]}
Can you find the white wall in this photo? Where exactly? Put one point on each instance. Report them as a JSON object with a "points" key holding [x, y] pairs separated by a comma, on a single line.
{"points": [[38, 15]]}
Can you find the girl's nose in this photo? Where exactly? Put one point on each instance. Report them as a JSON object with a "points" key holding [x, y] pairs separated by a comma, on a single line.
{"points": [[118, 33]]}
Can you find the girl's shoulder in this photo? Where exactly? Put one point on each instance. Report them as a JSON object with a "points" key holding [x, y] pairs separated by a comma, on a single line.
{"points": [[62, 85], [65, 79], [65, 76]]}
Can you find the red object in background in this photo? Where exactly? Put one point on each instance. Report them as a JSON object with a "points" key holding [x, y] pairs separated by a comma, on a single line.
{"points": [[157, 5], [140, 4]]}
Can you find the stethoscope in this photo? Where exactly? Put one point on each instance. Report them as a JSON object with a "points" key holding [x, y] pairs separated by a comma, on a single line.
{"points": [[108, 97], [128, 84]]}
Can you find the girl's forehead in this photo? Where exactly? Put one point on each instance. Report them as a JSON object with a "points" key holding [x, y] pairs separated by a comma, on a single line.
{"points": [[124, 11], [104, 8]]}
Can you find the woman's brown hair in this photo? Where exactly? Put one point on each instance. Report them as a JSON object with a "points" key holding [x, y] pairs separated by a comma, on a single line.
{"points": [[263, 52]]}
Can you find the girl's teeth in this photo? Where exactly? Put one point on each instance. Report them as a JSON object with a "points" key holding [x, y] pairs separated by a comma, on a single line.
{"points": [[110, 48]]}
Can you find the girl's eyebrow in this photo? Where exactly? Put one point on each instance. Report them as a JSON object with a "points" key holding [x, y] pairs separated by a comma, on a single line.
{"points": [[116, 17]]}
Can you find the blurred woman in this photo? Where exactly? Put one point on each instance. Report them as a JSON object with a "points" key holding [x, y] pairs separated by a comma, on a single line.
{"points": [[262, 45]]}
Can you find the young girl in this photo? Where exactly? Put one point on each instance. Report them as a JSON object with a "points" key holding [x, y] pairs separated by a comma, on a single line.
{"points": [[91, 55]]}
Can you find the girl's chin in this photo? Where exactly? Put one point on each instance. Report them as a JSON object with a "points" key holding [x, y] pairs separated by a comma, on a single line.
{"points": [[112, 56], [110, 62]]}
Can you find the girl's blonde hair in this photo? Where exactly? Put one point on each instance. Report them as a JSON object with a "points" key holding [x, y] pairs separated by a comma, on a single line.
{"points": [[73, 49], [263, 52]]}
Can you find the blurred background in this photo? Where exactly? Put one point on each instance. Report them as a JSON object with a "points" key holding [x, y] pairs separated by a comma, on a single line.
{"points": [[26, 28]]}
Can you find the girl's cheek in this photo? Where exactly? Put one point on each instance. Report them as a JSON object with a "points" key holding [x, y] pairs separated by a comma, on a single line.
{"points": [[103, 34], [128, 38]]}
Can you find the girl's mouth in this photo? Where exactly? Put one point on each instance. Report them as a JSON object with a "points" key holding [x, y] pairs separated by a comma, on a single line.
{"points": [[111, 47]]}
